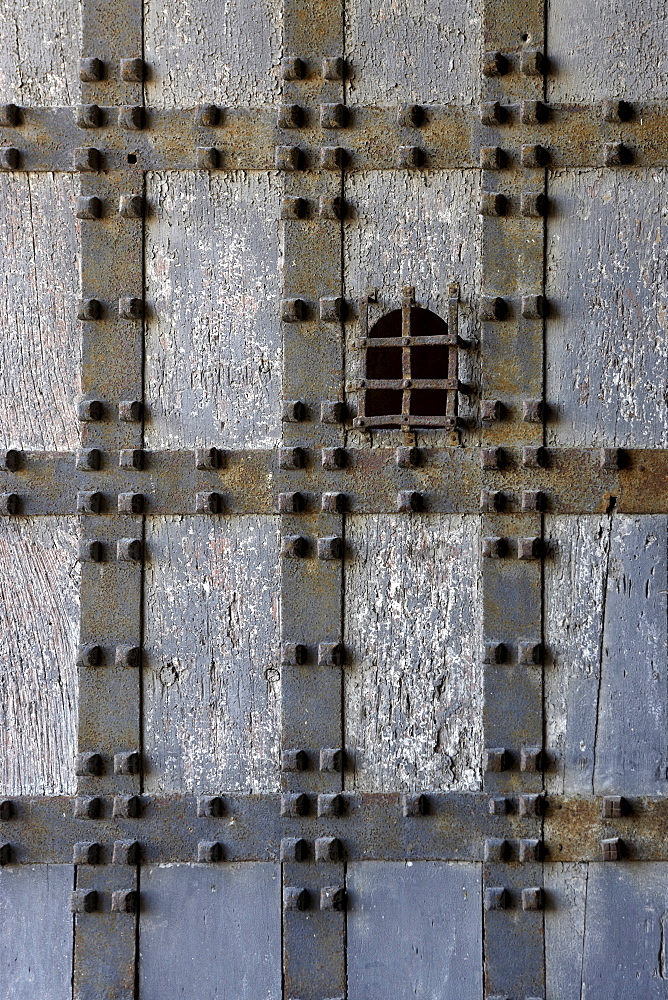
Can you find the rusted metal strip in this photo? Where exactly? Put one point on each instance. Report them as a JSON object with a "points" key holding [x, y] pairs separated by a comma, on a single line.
{"points": [[451, 137], [567, 481], [452, 826]]}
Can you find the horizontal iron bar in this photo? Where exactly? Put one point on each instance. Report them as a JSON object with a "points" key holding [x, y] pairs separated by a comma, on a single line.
{"points": [[572, 135], [453, 826], [569, 480]]}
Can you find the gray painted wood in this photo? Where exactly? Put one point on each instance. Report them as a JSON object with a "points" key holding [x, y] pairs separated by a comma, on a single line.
{"points": [[392, 213], [36, 932], [425, 51], [623, 57], [606, 688], [39, 52], [39, 287], [607, 283], [416, 926], [201, 52], [39, 622], [213, 350], [413, 689], [212, 685], [605, 929], [210, 932]]}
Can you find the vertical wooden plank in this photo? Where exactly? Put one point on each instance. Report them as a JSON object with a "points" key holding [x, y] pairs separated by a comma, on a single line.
{"points": [[413, 693], [38, 295], [624, 57], [417, 926], [213, 349], [606, 613], [607, 279], [566, 893], [39, 617], [424, 52], [225, 53], [36, 932], [39, 52], [211, 932], [211, 679]]}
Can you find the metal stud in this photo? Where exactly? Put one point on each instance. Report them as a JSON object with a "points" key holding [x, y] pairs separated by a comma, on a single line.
{"points": [[209, 851], [86, 158], [10, 503], [206, 115], [288, 158], [496, 759], [534, 457], [128, 762], [294, 760], [614, 807], [492, 113], [90, 409], [206, 458], [294, 546], [533, 112], [86, 852], [330, 654], [130, 503], [294, 804], [206, 157], [90, 550], [333, 897], [6, 810], [88, 459], [331, 759], [10, 116], [331, 309], [616, 154], [494, 547], [533, 204], [293, 208], [495, 652], [294, 849], [496, 849], [131, 307], [89, 655], [131, 117], [409, 157], [333, 458], [128, 656], [328, 849], [132, 70], [530, 850], [291, 503], [333, 116], [534, 155], [83, 901], [290, 116], [612, 459], [89, 309], [492, 158], [334, 503], [407, 458], [491, 500], [414, 804], [494, 64], [293, 654], [91, 70], [532, 898], [207, 503], [10, 158], [295, 898], [330, 208], [210, 806], [333, 68], [531, 805], [496, 898], [87, 807], [293, 310], [330, 548], [293, 411], [129, 549], [617, 111], [292, 68], [89, 502], [492, 308], [126, 852], [532, 62], [531, 759], [88, 764], [492, 458], [130, 410], [332, 157], [124, 901], [530, 652], [332, 412], [612, 849], [131, 458], [533, 500], [131, 206], [330, 805], [492, 203], [491, 410], [127, 806], [498, 805], [410, 116], [409, 501], [529, 548], [87, 207]]}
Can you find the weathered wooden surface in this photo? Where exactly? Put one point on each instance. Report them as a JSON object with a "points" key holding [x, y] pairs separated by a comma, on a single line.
{"points": [[211, 932], [606, 685], [40, 344], [36, 932], [39, 620], [227, 53], [39, 52], [624, 56], [413, 689], [416, 926], [392, 213], [213, 351], [212, 685], [607, 284], [424, 51], [605, 931]]}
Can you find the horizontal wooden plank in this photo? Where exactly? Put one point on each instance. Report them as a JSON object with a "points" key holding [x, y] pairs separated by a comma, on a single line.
{"points": [[413, 690]]}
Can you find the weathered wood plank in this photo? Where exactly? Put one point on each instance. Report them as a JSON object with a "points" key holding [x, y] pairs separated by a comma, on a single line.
{"points": [[606, 928], [417, 926], [39, 52], [213, 352], [392, 214], [39, 619], [211, 932], [606, 688], [40, 345], [624, 56], [227, 53], [413, 690], [607, 283], [212, 686], [36, 932], [424, 51]]}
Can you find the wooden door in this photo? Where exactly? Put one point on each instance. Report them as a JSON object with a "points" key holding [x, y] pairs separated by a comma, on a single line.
{"points": [[333, 564]]}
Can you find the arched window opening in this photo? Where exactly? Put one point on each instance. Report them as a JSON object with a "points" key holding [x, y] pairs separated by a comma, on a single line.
{"points": [[411, 367]]}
